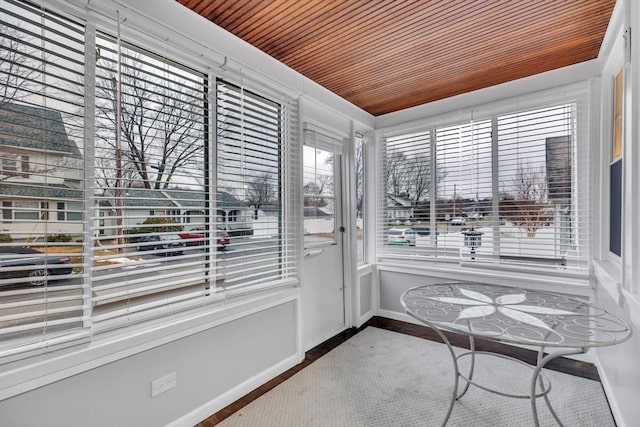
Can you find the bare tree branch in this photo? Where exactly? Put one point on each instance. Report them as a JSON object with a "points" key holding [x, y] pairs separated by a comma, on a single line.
{"points": [[161, 124], [527, 205], [261, 191], [19, 70]]}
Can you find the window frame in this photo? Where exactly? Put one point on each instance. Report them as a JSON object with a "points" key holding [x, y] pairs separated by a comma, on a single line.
{"points": [[577, 93], [91, 219], [25, 166], [360, 195], [10, 167]]}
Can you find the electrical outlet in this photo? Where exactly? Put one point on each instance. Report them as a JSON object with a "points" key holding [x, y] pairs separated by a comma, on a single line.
{"points": [[163, 384]]}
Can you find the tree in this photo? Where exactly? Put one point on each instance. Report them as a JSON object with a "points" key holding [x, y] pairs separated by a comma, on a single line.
{"points": [[19, 72], [527, 205], [395, 174], [359, 169], [317, 191], [409, 176], [19, 79], [261, 191], [161, 124]]}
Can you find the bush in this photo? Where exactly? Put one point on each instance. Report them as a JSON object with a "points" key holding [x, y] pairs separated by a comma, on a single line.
{"points": [[157, 224], [59, 238], [239, 232], [6, 238]]}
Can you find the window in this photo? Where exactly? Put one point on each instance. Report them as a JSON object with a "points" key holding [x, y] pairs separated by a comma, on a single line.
{"points": [[26, 211], [25, 166], [42, 298], [61, 211], [360, 198], [9, 167], [463, 183], [149, 166], [500, 189], [319, 196], [7, 211], [69, 211], [615, 167], [252, 133], [185, 187], [321, 186], [44, 211]]}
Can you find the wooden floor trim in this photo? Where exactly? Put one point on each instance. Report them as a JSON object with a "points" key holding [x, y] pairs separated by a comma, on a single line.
{"points": [[562, 364]]}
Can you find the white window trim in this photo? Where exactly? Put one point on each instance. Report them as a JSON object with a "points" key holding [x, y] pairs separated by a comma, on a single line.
{"points": [[579, 92], [103, 341]]}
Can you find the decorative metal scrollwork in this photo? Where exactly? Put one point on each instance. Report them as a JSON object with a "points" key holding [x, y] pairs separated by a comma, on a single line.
{"points": [[515, 315]]}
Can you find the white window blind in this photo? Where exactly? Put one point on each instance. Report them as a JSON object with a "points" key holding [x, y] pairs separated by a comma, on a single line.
{"points": [[154, 248], [170, 191], [464, 190], [407, 178], [321, 156], [42, 298], [255, 140], [537, 204], [505, 187]]}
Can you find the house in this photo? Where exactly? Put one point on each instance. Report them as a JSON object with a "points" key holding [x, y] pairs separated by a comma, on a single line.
{"points": [[399, 208], [180, 344], [183, 207], [40, 175]]}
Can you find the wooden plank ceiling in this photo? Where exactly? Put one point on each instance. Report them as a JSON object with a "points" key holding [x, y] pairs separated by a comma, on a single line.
{"points": [[386, 55]]}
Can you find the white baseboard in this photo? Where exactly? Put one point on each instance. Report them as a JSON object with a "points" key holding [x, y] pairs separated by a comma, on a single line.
{"points": [[197, 415], [608, 391]]}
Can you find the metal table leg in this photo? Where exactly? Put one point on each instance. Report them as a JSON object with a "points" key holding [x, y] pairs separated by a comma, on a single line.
{"points": [[541, 362], [455, 373]]}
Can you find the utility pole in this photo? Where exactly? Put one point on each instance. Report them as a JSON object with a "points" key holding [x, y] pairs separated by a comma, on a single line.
{"points": [[116, 85]]}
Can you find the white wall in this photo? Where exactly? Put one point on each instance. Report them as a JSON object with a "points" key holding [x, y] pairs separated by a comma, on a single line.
{"points": [[213, 368], [618, 365], [616, 280]]}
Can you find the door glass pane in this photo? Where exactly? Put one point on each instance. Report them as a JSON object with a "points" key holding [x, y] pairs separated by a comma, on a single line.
{"points": [[359, 166], [319, 196]]}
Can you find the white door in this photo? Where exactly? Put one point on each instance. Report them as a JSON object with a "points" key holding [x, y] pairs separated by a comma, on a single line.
{"points": [[323, 305]]}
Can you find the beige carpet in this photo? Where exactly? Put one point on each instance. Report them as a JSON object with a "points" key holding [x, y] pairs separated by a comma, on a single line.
{"points": [[383, 378]]}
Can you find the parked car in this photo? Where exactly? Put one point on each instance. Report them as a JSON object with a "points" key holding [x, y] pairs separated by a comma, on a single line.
{"points": [[458, 220], [196, 236], [422, 230], [37, 266], [172, 243], [401, 236]]}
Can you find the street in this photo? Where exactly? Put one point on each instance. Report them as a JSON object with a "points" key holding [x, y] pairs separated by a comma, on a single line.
{"points": [[135, 279]]}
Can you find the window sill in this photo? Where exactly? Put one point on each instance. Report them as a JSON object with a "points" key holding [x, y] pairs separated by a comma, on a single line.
{"points": [[365, 269], [574, 284], [107, 347], [609, 274]]}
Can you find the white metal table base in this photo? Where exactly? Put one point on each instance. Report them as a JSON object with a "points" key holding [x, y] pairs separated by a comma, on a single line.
{"points": [[536, 378], [515, 316]]}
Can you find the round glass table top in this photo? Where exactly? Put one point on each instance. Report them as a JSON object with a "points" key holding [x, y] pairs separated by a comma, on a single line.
{"points": [[514, 315]]}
